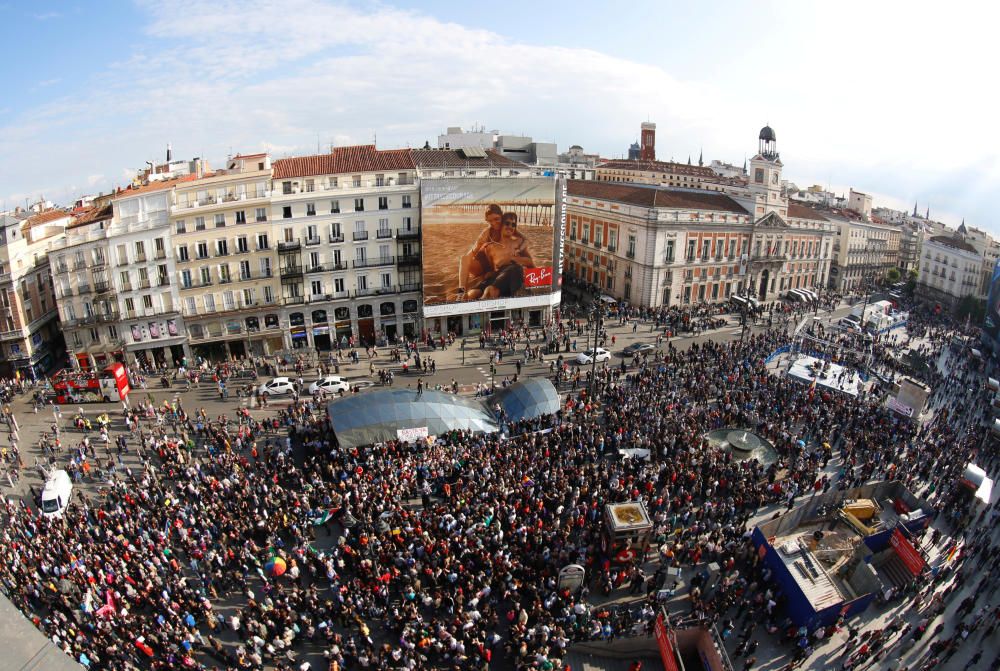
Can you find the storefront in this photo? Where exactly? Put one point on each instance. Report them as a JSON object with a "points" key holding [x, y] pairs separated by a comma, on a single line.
{"points": [[297, 330], [366, 325], [343, 332], [387, 318], [321, 331]]}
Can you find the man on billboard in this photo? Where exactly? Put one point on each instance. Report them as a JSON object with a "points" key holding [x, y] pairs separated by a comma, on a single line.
{"points": [[500, 263]]}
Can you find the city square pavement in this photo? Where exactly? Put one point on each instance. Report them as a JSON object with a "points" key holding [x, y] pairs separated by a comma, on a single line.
{"points": [[468, 369]]}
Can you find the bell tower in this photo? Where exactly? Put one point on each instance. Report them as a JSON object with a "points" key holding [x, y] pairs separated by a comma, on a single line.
{"points": [[647, 151], [765, 176]]}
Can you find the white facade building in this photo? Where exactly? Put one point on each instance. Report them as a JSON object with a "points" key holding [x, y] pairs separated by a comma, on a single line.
{"points": [[950, 269]]}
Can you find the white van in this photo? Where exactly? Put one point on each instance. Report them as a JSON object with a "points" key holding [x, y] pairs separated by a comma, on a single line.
{"points": [[56, 494]]}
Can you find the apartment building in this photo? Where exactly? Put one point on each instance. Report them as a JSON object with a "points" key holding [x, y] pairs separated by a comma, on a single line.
{"points": [[30, 338], [113, 274], [950, 269], [347, 234], [222, 237], [864, 251]]}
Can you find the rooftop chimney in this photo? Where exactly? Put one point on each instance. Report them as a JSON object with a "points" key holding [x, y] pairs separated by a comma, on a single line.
{"points": [[170, 154]]}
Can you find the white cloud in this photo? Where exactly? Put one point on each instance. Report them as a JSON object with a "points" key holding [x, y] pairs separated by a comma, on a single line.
{"points": [[308, 70]]}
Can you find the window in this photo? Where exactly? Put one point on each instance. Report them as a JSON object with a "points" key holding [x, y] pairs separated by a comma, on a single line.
{"points": [[262, 241], [408, 223], [310, 209], [362, 283], [220, 221], [690, 252], [386, 280], [360, 255], [335, 205], [383, 253], [186, 279], [224, 275], [289, 234], [163, 277], [732, 248], [268, 294], [286, 212], [338, 285], [209, 300], [379, 180], [182, 253], [126, 283], [356, 181], [316, 288], [265, 267], [406, 201], [359, 204], [199, 223], [244, 270], [241, 217], [140, 251], [670, 252], [147, 303], [202, 250], [336, 258], [222, 247], [180, 226], [612, 240], [286, 188], [248, 296], [383, 203], [261, 214], [335, 232], [758, 175], [311, 234], [241, 245], [310, 185]]}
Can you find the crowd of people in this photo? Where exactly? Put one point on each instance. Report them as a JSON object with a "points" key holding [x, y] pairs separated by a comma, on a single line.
{"points": [[446, 554]]}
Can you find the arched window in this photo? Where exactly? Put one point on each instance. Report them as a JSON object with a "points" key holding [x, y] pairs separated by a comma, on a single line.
{"points": [[386, 309], [319, 316], [271, 321], [296, 319], [364, 311], [341, 314]]}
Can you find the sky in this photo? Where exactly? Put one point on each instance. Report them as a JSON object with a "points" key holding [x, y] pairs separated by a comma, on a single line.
{"points": [[891, 98]]}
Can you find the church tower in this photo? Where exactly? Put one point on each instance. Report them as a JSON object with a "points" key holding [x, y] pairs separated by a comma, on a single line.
{"points": [[765, 176]]}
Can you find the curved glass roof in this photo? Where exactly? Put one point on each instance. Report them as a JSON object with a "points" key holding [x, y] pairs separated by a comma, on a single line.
{"points": [[376, 416], [527, 399]]}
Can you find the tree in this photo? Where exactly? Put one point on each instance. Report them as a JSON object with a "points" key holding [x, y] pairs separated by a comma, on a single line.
{"points": [[971, 307], [893, 275]]}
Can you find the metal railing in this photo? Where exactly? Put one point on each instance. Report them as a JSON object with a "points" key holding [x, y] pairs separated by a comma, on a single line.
{"points": [[360, 235], [375, 262]]}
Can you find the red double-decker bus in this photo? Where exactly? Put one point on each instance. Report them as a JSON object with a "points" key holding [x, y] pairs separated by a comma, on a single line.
{"points": [[110, 384]]}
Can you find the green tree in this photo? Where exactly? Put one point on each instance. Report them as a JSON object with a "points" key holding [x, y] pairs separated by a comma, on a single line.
{"points": [[892, 275], [971, 307]]}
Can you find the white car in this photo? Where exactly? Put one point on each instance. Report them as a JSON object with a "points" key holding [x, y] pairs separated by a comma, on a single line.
{"points": [[331, 384], [279, 386], [589, 356]]}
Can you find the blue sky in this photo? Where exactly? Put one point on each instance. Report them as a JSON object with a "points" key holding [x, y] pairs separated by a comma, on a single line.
{"points": [[890, 98]]}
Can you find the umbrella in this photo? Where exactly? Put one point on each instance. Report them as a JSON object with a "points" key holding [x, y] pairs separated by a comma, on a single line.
{"points": [[276, 567]]}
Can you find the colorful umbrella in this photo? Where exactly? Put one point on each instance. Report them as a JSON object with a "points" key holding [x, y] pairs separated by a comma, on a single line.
{"points": [[276, 567]]}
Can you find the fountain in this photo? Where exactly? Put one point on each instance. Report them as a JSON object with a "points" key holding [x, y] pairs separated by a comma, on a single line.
{"points": [[743, 444]]}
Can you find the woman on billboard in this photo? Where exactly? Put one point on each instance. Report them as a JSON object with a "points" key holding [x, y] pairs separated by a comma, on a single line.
{"points": [[494, 266]]}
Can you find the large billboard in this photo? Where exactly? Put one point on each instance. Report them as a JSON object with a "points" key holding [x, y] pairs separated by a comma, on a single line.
{"points": [[992, 323], [491, 243]]}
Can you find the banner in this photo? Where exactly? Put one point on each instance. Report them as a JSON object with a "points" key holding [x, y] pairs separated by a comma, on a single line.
{"points": [[907, 553], [491, 239], [412, 435], [662, 637]]}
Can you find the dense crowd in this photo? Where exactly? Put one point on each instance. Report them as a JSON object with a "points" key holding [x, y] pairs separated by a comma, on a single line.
{"points": [[446, 555]]}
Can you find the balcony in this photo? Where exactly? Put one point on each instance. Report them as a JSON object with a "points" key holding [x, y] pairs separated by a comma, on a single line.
{"points": [[108, 317], [160, 254], [320, 268], [98, 263], [383, 234], [339, 295], [334, 239], [11, 335], [364, 292], [241, 250], [143, 283], [101, 287], [291, 271], [374, 263], [382, 291], [408, 260], [407, 233], [140, 258], [597, 244], [79, 265], [612, 248], [60, 268], [83, 290], [412, 286], [225, 280], [293, 300], [163, 282], [312, 241], [630, 254], [360, 235], [292, 246]]}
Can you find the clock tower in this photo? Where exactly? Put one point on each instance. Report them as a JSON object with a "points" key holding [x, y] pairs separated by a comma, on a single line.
{"points": [[765, 177]]}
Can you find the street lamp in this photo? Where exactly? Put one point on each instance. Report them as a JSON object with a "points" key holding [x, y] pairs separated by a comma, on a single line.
{"points": [[597, 335]]}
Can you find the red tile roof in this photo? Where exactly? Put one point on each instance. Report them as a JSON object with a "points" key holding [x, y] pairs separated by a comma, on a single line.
{"points": [[46, 217], [453, 158], [659, 166], [93, 214], [796, 211], [155, 186], [340, 160], [651, 196]]}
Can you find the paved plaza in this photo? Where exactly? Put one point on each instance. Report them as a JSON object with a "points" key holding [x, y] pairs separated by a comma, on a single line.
{"points": [[954, 609]]}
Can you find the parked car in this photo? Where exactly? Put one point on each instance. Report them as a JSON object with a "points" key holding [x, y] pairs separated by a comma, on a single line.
{"points": [[279, 386], [638, 348], [331, 384], [600, 354]]}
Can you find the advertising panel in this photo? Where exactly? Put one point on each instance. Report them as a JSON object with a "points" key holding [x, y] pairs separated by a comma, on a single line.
{"points": [[909, 554], [491, 243], [992, 322]]}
